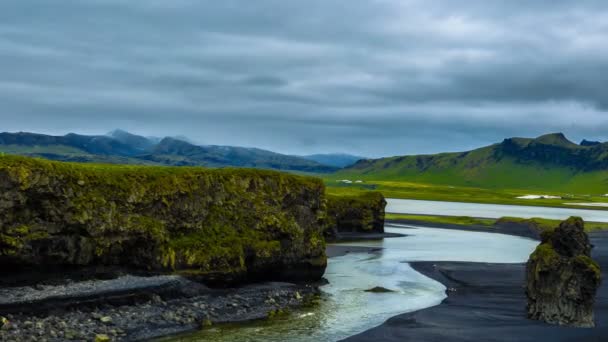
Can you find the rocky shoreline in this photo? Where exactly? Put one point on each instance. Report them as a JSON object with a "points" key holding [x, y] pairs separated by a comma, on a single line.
{"points": [[132, 308]]}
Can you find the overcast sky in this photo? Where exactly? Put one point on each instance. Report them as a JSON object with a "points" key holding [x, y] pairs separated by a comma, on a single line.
{"points": [[369, 77]]}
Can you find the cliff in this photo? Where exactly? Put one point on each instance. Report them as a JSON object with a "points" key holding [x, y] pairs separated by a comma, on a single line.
{"points": [[562, 279], [219, 225], [362, 213]]}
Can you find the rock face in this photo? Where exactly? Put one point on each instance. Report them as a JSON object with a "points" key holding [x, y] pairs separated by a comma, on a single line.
{"points": [[219, 225], [362, 213], [562, 279]]}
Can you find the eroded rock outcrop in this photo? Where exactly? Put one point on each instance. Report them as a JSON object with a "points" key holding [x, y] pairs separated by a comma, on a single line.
{"points": [[362, 213], [562, 279], [219, 225]]}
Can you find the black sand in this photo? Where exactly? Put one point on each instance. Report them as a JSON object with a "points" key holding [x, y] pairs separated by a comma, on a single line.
{"points": [[486, 302]]}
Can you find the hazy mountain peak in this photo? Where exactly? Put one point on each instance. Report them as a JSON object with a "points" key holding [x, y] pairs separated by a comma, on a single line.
{"points": [[169, 145], [136, 141]]}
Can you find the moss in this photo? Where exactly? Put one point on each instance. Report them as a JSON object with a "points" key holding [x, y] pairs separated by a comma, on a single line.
{"points": [[312, 300], [545, 255], [206, 323], [13, 239], [362, 212], [277, 313], [196, 220], [590, 264]]}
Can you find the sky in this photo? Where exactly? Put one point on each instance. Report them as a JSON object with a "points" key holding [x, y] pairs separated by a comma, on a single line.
{"points": [[367, 77]]}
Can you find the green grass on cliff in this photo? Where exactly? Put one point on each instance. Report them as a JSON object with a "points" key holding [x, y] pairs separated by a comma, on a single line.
{"points": [[203, 220], [362, 211]]}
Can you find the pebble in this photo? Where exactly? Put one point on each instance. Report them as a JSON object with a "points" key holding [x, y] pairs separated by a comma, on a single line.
{"points": [[3, 321], [102, 338], [102, 324], [105, 319]]}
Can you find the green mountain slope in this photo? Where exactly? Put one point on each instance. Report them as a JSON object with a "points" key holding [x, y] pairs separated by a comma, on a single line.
{"points": [[549, 162], [120, 147]]}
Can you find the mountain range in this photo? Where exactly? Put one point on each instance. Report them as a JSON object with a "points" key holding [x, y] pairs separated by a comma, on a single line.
{"points": [[550, 162], [123, 147]]}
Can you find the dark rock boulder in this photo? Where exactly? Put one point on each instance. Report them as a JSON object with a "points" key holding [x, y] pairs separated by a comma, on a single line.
{"points": [[219, 225], [562, 279], [362, 213], [379, 289]]}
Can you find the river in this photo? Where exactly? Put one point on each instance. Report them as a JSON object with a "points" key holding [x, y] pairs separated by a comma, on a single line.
{"points": [[346, 309], [490, 210]]}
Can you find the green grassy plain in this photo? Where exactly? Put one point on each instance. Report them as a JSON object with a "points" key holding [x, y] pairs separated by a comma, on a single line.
{"points": [[438, 192], [456, 220], [541, 223]]}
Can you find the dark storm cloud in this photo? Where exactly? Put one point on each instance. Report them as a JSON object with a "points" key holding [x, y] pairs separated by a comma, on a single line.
{"points": [[374, 77]]}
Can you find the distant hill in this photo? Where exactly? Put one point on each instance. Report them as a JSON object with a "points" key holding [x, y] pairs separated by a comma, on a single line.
{"points": [[177, 152], [334, 159], [70, 147], [135, 141], [122, 147], [550, 162]]}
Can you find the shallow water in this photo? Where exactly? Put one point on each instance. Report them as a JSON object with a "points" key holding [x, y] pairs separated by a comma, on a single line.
{"points": [[346, 309], [403, 206]]}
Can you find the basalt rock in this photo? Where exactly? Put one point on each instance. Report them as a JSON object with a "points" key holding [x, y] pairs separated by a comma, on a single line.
{"points": [[362, 213], [379, 289], [219, 225], [562, 279]]}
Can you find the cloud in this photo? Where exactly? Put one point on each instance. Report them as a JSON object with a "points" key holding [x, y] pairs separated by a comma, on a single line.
{"points": [[374, 77]]}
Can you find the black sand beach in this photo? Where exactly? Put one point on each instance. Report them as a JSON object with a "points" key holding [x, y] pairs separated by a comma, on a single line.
{"points": [[486, 302]]}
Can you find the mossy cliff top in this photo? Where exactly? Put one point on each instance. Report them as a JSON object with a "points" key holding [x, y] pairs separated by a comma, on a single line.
{"points": [[562, 279], [218, 224], [363, 212]]}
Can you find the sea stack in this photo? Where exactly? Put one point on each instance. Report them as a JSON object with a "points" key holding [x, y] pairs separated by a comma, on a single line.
{"points": [[359, 213], [562, 279]]}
